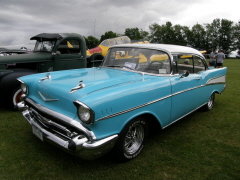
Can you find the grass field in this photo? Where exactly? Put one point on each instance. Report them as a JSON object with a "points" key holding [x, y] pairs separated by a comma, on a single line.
{"points": [[203, 145]]}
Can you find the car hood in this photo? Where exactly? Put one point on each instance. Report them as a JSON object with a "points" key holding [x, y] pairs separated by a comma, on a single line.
{"points": [[55, 92], [93, 80], [23, 58]]}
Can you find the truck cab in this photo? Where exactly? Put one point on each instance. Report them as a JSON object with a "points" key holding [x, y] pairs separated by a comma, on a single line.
{"points": [[52, 52]]}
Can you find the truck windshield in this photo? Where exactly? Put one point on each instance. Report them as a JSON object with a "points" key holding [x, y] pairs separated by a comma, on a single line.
{"points": [[45, 46]]}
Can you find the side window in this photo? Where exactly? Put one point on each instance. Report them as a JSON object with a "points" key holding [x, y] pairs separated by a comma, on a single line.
{"points": [[185, 63], [69, 47], [198, 64], [191, 63]]}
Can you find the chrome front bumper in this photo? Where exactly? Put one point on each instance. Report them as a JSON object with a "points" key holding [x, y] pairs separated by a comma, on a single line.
{"points": [[80, 145]]}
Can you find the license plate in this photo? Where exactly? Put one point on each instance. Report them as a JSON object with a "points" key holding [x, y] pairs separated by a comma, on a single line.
{"points": [[37, 133]]}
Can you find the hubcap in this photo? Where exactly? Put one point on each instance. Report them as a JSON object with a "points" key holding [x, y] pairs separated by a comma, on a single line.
{"points": [[210, 102], [134, 138]]}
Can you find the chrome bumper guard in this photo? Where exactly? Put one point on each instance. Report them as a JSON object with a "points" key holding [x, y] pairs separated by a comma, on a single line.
{"points": [[79, 145]]}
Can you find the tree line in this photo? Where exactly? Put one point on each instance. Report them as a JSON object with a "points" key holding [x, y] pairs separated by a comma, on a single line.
{"points": [[220, 34]]}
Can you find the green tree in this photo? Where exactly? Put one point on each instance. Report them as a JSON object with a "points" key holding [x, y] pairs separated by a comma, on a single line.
{"points": [[236, 35], [197, 39], [162, 33], [220, 35], [144, 34], [91, 42], [181, 35], [212, 32], [108, 35], [226, 36]]}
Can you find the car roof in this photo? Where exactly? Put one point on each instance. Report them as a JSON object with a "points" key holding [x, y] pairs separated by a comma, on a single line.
{"points": [[171, 49], [54, 36]]}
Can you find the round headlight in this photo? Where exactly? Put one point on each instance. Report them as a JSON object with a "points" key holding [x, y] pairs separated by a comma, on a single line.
{"points": [[24, 88], [84, 114]]}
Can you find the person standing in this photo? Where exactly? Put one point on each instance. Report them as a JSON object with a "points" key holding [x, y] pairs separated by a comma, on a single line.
{"points": [[213, 58], [219, 57]]}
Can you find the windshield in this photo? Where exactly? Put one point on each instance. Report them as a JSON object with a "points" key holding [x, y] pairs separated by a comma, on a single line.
{"points": [[139, 59], [45, 46]]}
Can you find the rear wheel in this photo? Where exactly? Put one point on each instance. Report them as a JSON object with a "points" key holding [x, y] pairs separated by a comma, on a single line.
{"points": [[131, 139], [210, 103]]}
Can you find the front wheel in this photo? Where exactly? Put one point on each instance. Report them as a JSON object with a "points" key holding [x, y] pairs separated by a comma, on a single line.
{"points": [[210, 103], [131, 139]]}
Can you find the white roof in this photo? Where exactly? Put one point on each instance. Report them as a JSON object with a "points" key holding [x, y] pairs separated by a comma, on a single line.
{"points": [[171, 49]]}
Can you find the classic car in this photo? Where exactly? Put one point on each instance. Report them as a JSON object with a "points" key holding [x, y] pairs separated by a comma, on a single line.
{"points": [[89, 112]]}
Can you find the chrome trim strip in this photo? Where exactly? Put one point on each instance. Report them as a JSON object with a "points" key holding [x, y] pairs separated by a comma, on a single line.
{"points": [[20, 80], [62, 118], [146, 104], [134, 108]]}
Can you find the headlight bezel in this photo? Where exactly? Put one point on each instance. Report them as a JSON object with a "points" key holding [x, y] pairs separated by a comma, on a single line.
{"points": [[85, 113], [24, 88]]}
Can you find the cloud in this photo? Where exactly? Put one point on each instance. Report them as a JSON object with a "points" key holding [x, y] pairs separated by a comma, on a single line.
{"points": [[20, 20]]}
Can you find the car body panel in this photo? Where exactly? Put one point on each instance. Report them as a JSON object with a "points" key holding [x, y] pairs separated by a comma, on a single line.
{"points": [[117, 94]]}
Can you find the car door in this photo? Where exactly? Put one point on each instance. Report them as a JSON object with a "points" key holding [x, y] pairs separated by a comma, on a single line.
{"points": [[186, 91], [69, 55]]}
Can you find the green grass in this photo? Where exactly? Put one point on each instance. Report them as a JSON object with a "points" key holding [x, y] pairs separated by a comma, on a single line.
{"points": [[203, 145]]}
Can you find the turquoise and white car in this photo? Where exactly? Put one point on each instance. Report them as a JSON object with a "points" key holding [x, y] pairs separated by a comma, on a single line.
{"points": [[89, 112]]}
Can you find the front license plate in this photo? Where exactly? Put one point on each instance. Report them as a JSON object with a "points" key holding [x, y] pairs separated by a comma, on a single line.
{"points": [[37, 133]]}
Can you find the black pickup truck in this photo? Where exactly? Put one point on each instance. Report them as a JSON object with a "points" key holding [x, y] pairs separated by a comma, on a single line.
{"points": [[52, 52]]}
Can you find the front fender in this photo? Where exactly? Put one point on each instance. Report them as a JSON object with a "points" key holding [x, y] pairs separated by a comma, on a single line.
{"points": [[5, 72]]}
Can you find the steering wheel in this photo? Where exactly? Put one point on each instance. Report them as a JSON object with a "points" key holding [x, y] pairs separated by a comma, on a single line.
{"points": [[160, 64]]}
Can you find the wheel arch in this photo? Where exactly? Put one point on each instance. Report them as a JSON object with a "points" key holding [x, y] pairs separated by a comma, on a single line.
{"points": [[152, 121]]}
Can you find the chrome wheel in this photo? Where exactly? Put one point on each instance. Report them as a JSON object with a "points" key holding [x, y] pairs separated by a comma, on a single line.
{"points": [[209, 105], [210, 102], [131, 139], [134, 138]]}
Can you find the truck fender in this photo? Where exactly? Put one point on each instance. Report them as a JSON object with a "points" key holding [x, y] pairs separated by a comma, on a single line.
{"points": [[95, 60], [9, 85]]}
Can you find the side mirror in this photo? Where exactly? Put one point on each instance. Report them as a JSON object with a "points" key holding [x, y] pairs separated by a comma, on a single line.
{"points": [[185, 74], [56, 54]]}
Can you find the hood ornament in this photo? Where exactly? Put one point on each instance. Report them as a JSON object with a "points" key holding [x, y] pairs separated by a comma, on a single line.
{"points": [[46, 77], [79, 86]]}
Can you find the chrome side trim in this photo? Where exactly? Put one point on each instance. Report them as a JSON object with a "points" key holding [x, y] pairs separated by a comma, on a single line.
{"points": [[131, 109], [62, 118], [157, 100]]}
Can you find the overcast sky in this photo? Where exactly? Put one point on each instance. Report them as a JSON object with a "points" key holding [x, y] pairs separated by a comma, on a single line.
{"points": [[22, 19]]}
